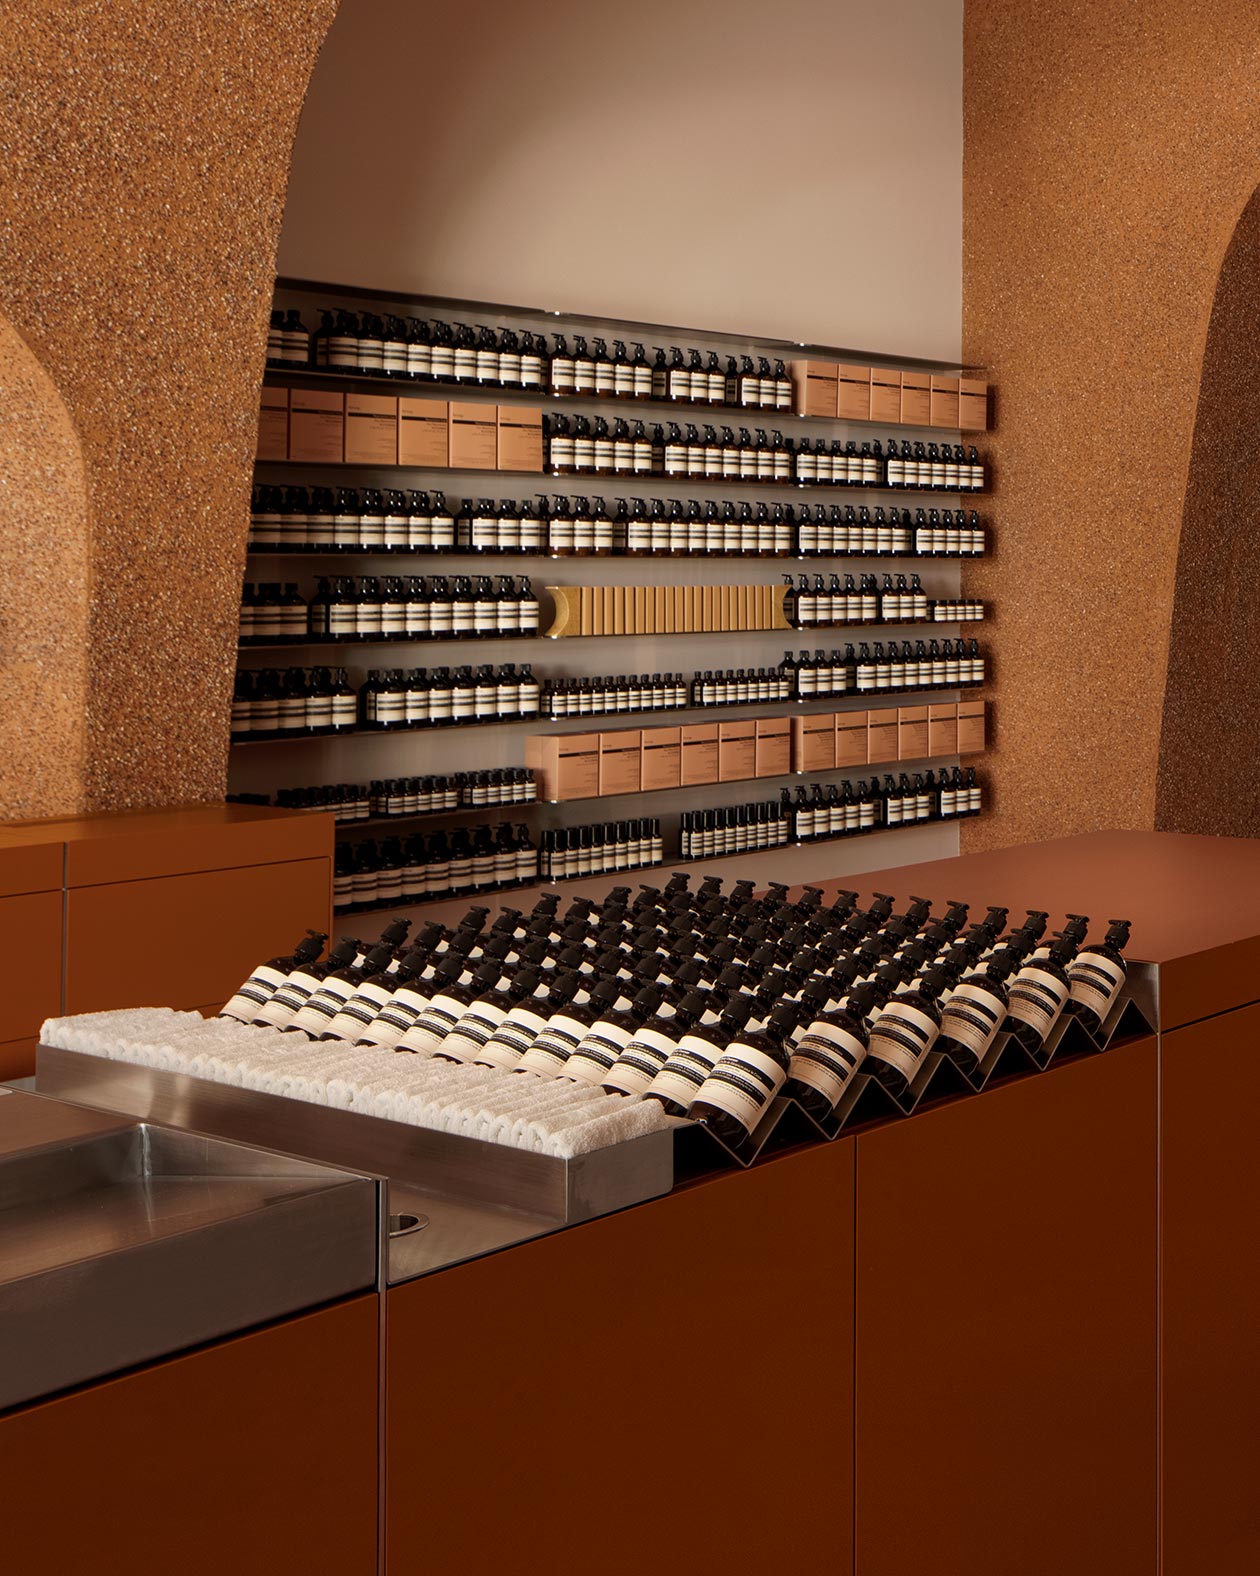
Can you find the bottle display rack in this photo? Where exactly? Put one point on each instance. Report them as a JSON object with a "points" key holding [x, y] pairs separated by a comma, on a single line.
{"points": [[650, 463], [743, 1020], [622, 384], [306, 520]]}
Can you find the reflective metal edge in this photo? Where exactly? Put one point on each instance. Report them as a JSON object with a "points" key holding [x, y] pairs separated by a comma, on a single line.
{"points": [[101, 1306], [467, 1171]]}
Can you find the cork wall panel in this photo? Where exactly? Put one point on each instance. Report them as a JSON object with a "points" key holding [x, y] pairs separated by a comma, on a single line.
{"points": [[44, 550], [145, 146], [1109, 150], [1211, 725]]}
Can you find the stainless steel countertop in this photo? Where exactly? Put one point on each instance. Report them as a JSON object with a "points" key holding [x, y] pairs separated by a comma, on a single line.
{"points": [[479, 1197], [122, 1241]]}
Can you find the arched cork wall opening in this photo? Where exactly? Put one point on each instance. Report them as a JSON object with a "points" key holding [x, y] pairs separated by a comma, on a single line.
{"points": [[146, 158], [44, 586], [1210, 733]]}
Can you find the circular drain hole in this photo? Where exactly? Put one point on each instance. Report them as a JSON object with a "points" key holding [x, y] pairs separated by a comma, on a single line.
{"points": [[404, 1225]]}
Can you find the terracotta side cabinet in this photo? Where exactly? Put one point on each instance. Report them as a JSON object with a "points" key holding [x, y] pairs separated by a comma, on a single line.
{"points": [[31, 874], [170, 907], [255, 1456], [1211, 1296], [1006, 1415], [666, 1389]]}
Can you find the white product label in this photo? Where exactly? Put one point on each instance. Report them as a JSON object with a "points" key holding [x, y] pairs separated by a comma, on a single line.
{"points": [[323, 1007], [743, 1083], [973, 1017], [902, 1036], [686, 1070], [261, 985], [1037, 999], [511, 1039], [1095, 982], [640, 1062], [595, 1056], [359, 1011], [825, 1058], [395, 1017], [472, 1031], [433, 1025], [292, 995], [553, 1045]]}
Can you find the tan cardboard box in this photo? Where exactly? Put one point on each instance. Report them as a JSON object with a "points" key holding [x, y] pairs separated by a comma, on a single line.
{"points": [[943, 728], [621, 761], [662, 615], [639, 618], [566, 766], [916, 399], [944, 401], [853, 402], [881, 736], [662, 758], [973, 404], [774, 747], [317, 425], [474, 436], [885, 394], [814, 743], [814, 384], [520, 438], [912, 732], [737, 750], [424, 435], [699, 753], [273, 425], [971, 727], [371, 429], [852, 740]]}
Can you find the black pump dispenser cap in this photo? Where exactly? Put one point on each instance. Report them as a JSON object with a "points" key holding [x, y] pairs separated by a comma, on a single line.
{"points": [[1063, 948], [1076, 927], [645, 1002], [881, 908], [870, 993], [310, 946], [1118, 933], [737, 1012]]}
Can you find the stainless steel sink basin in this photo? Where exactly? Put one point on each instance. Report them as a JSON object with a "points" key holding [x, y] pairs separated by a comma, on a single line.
{"points": [[122, 1241]]}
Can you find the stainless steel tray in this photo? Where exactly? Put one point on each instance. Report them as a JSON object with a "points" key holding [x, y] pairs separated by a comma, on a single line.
{"points": [[121, 1242], [477, 1197]]}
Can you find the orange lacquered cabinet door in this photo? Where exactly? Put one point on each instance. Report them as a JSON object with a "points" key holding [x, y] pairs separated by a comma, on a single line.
{"points": [[1006, 1330], [664, 1390], [1211, 1297], [253, 1457], [30, 931]]}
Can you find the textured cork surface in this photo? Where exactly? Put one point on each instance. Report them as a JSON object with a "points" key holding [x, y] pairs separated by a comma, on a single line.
{"points": [[43, 592], [145, 148], [1211, 734], [1109, 150]]}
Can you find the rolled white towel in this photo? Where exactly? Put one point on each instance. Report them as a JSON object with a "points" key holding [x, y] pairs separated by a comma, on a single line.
{"points": [[631, 1119]]}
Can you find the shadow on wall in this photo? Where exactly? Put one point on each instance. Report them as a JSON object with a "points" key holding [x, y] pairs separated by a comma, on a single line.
{"points": [[44, 526], [1210, 733]]}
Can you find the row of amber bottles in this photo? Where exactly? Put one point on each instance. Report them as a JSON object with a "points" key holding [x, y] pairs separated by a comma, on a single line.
{"points": [[710, 1003]]}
